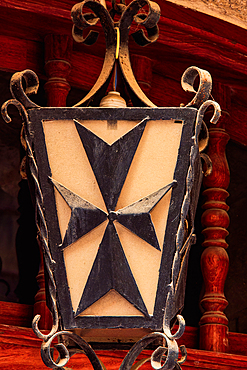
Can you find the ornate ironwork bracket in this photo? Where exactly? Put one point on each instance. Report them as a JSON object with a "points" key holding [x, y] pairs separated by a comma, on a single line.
{"points": [[116, 36], [165, 357]]}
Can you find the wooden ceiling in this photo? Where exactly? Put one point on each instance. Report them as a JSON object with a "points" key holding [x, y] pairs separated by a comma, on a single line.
{"points": [[186, 38]]}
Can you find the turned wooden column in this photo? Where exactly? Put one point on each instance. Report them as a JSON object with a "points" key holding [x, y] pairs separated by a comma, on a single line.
{"points": [[58, 50], [215, 220]]}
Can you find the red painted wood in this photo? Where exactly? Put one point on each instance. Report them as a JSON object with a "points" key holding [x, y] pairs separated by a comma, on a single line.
{"points": [[142, 69], [237, 128], [25, 336], [18, 54], [16, 314], [186, 38], [20, 349], [238, 344]]}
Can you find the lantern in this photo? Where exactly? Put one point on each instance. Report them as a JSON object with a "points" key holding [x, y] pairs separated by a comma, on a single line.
{"points": [[116, 189]]}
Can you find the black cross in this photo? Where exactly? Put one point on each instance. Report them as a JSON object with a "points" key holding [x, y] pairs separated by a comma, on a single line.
{"points": [[110, 164]]}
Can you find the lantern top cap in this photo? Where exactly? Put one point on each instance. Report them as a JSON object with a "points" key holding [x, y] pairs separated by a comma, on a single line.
{"points": [[113, 100]]}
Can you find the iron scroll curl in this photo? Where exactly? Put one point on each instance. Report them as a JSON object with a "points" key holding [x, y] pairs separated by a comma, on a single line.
{"points": [[83, 21], [21, 94], [23, 103], [150, 23], [163, 358], [128, 15], [205, 85]]}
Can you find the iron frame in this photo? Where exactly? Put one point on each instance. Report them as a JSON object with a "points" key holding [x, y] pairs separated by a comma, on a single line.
{"points": [[188, 116], [188, 173]]}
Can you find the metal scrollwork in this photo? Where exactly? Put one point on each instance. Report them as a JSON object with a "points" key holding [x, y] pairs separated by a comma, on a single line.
{"points": [[150, 23], [163, 358], [128, 15], [200, 123], [23, 103], [168, 354], [21, 93], [205, 85], [201, 112], [83, 21], [47, 353], [185, 239]]}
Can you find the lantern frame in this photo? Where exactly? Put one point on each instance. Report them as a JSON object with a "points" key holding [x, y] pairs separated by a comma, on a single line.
{"points": [[173, 237], [179, 233]]}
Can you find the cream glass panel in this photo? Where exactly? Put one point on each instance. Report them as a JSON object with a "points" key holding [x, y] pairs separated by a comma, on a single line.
{"points": [[68, 161], [112, 304], [152, 168], [79, 258], [109, 131]]}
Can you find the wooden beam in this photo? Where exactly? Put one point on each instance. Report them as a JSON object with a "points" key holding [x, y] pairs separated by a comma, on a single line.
{"points": [[16, 314], [175, 34], [20, 350]]}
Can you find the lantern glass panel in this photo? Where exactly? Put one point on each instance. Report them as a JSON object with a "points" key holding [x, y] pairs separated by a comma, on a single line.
{"points": [[152, 168], [113, 183]]}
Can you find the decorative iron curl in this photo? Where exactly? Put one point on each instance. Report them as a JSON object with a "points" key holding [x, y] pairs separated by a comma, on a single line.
{"points": [[18, 105], [168, 353], [21, 93], [18, 91], [200, 123], [47, 353], [128, 14], [81, 22], [84, 20], [201, 112], [150, 22], [205, 85], [187, 209]]}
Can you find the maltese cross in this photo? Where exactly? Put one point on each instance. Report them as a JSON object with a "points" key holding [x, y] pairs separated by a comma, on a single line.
{"points": [[110, 164]]}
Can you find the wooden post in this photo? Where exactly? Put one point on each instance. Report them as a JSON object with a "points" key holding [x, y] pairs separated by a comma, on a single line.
{"points": [[215, 220], [58, 50]]}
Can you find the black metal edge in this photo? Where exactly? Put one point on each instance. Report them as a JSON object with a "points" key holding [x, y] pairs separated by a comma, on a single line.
{"points": [[86, 113], [173, 218], [40, 153], [39, 114]]}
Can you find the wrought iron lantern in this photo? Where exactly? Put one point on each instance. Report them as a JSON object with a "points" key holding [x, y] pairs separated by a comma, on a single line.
{"points": [[116, 190]]}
